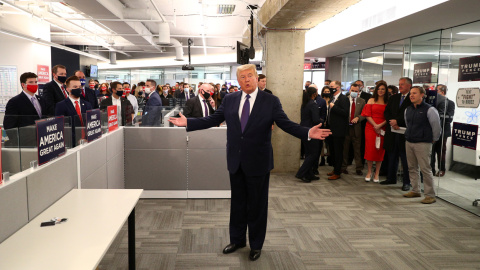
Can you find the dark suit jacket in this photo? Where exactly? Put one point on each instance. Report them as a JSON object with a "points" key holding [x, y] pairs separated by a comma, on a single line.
{"points": [[338, 119], [181, 95], [393, 110], [66, 108], [446, 111], [193, 108], [126, 108], [152, 113], [167, 101], [267, 91], [365, 96], [91, 97], [359, 104], [52, 95], [154, 99], [20, 112], [322, 108], [310, 115], [251, 149]]}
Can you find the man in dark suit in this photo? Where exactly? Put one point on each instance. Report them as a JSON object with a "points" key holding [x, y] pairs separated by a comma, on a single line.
{"points": [[179, 90], [446, 111], [338, 123], [394, 142], [262, 83], [322, 107], [365, 96], [87, 93], [126, 108], [23, 110], [55, 91], [202, 104], [152, 115], [249, 115], [185, 92], [74, 107], [353, 136]]}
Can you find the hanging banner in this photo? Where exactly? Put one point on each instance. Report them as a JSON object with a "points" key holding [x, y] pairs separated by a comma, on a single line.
{"points": [[50, 139], [112, 118], [94, 127], [468, 97], [469, 69], [422, 73], [465, 135], [43, 73]]}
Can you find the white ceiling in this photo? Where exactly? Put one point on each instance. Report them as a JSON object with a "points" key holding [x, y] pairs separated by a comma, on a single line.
{"points": [[101, 25]]}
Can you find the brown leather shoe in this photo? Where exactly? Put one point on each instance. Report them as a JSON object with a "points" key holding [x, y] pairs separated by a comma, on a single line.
{"points": [[441, 173], [428, 200], [412, 194], [359, 172], [331, 173], [334, 177]]}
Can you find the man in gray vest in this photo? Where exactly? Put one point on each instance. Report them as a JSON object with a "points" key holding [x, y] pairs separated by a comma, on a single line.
{"points": [[423, 129]]}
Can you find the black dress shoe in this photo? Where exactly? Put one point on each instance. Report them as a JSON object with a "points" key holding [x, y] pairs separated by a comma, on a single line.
{"points": [[386, 182], [322, 162], [255, 254], [312, 177], [406, 187], [232, 247], [316, 172]]}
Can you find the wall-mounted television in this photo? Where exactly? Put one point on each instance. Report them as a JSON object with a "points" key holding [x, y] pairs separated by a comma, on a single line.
{"points": [[242, 53], [93, 71]]}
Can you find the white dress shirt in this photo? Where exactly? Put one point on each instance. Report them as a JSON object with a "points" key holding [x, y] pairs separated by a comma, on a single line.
{"points": [[253, 96], [134, 102], [203, 104]]}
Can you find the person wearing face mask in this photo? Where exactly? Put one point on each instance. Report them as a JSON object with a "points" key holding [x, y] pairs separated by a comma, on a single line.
{"points": [[92, 85], [103, 90], [55, 90], [354, 133], [325, 151], [201, 105], [139, 93], [87, 93], [152, 111], [124, 106], [74, 107], [187, 92], [339, 109], [128, 95], [167, 99], [25, 108]]}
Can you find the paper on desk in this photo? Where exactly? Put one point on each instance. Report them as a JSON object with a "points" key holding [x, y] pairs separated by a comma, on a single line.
{"points": [[399, 131]]}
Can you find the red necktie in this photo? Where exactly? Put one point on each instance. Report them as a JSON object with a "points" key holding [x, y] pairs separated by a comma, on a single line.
{"points": [[63, 91], [79, 112], [83, 92], [352, 113]]}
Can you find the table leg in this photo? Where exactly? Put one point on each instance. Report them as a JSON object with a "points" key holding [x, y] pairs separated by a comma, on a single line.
{"points": [[131, 240]]}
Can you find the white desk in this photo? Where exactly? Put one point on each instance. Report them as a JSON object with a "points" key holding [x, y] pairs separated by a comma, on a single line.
{"points": [[95, 216]]}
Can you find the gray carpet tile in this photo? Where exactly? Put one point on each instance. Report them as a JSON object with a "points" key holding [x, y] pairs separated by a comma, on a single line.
{"points": [[342, 224]]}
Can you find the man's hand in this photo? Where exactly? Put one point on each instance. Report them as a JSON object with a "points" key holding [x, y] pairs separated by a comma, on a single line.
{"points": [[317, 133], [355, 120], [212, 102], [331, 104], [179, 122], [396, 127], [393, 123]]}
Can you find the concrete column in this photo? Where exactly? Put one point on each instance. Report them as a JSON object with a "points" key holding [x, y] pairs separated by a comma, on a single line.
{"points": [[284, 70]]}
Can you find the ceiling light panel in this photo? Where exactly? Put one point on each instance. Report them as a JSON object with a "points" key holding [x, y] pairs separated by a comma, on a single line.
{"points": [[225, 9]]}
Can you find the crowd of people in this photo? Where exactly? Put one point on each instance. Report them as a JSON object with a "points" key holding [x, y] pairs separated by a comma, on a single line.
{"points": [[385, 126]]}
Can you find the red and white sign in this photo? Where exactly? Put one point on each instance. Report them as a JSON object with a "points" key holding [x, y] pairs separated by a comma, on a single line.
{"points": [[112, 118], [307, 66], [43, 73]]}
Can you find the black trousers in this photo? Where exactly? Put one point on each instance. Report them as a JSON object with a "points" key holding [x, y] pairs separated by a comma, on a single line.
{"points": [[312, 154], [439, 150], [248, 208], [393, 156], [336, 152]]}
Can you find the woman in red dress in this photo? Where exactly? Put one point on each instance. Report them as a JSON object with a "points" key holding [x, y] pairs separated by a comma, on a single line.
{"points": [[374, 129]]}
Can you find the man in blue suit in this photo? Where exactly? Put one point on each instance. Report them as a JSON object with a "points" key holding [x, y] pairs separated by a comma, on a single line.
{"points": [[152, 113], [74, 107], [249, 115], [87, 93], [23, 110]]}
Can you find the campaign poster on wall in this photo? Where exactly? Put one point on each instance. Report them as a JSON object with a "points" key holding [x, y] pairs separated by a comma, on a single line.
{"points": [[50, 139], [94, 126], [43, 73], [422, 73], [469, 69], [112, 118], [468, 97], [465, 135]]}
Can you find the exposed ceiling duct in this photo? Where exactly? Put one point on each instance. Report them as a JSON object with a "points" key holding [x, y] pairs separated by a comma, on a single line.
{"points": [[178, 49]]}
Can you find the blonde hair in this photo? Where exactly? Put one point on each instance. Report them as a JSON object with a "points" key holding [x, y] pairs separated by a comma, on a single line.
{"points": [[247, 67]]}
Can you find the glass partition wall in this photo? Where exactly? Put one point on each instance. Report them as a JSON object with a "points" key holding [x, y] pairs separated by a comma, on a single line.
{"points": [[456, 168]]}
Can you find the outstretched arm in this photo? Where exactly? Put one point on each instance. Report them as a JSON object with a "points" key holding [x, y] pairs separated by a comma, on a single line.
{"points": [[318, 133], [178, 121]]}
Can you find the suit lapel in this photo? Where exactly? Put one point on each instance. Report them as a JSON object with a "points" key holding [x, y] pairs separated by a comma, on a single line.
{"points": [[236, 107]]}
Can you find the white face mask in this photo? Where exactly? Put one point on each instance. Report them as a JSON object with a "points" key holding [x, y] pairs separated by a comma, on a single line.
{"points": [[165, 92], [147, 90], [186, 89]]}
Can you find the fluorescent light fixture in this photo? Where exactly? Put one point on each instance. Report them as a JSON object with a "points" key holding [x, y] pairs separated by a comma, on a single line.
{"points": [[225, 9], [469, 33], [51, 44]]}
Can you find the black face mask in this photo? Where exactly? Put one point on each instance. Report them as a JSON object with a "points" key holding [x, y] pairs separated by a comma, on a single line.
{"points": [[76, 92], [224, 89], [333, 90], [62, 79], [140, 93], [326, 95], [119, 93], [206, 95]]}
